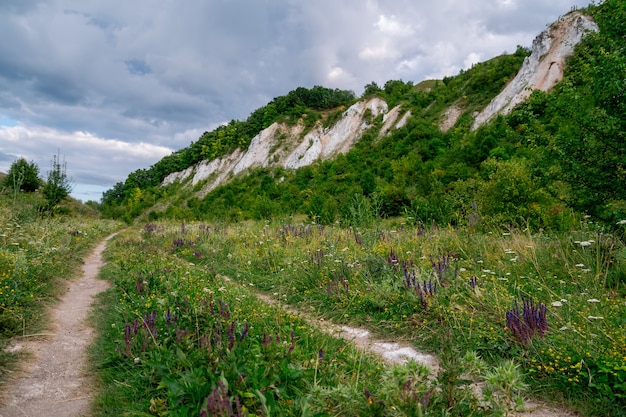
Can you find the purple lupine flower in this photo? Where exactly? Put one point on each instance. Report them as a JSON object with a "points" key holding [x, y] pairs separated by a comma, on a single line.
{"points": [[293, 341], [231, 335], [244, 332], [529, 321], [224, 312], [472, 281]]}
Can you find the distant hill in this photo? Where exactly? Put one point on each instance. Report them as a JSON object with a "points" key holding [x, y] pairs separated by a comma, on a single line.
{"points": [[477, 146]]}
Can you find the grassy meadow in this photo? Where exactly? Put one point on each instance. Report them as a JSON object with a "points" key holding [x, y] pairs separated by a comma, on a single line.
{"points": [[518, 313], [38, 252]]}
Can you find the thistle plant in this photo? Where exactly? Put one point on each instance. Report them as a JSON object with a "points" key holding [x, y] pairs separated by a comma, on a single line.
{"points": [[506, 383]]}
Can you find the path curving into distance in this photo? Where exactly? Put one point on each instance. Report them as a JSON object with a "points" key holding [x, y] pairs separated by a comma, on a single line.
{"points": [[55, 381]]}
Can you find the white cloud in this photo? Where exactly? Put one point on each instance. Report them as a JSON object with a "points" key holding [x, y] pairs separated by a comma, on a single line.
{"points": [[472, 58], [85, 153], [392, 27], [380, 52]]}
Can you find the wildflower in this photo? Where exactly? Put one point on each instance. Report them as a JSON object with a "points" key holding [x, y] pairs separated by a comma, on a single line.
{"points": [[593, 300], [595, 317], [231, 335], [473, 281], [530, 320], [557, 304]]}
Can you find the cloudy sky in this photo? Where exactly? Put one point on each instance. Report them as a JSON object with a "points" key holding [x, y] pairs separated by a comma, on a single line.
{"points": [[114, 85]]}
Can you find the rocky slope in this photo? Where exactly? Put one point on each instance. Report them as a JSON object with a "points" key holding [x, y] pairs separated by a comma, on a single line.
{"points": [[543, 69], [288, 146], [285, 146]]}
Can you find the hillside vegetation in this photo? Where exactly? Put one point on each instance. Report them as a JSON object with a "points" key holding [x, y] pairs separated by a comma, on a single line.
{"points": [[557, 154]]}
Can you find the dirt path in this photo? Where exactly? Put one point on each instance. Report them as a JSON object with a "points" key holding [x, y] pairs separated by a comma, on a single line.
{"points": [[55, 382]]}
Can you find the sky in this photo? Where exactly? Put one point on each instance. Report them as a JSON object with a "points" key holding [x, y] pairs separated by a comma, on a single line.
{"points": [[112, 86]]}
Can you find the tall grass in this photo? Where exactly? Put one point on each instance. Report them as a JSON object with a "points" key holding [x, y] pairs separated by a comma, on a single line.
{"points": [[448, 291]]}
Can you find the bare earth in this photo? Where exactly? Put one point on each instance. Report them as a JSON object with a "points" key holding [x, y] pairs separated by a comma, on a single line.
{"points": [[55, 382]]}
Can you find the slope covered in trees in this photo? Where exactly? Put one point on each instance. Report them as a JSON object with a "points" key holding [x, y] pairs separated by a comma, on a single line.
{"points": [[558, 154]]}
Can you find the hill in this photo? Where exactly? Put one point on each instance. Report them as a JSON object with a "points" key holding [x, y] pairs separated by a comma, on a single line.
{"points": [[476, 147]]}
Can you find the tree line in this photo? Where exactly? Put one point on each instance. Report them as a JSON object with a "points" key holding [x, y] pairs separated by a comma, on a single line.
{"points": [[24, 176]]}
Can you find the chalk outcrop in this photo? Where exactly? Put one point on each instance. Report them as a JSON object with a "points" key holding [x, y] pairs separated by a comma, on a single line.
{"points": [[281, 145], [543, 69], [285, 146]]}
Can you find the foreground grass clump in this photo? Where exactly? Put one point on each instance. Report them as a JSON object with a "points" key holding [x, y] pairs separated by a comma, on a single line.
{"points": [[35, 252], [446, 290]]}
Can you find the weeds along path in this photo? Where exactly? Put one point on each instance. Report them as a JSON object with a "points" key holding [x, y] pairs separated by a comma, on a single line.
{"points": [[395, 352], [55, 382]]}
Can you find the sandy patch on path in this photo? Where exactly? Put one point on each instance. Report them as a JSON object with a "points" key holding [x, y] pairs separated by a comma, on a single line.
{"points": [[55, 382]]}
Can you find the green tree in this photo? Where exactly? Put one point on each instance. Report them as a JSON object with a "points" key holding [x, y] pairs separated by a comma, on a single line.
{"points": [[58, 186], [371, 89], [23, 176]]}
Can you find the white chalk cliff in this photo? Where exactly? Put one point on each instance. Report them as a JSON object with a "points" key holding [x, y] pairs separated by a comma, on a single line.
{"points": [[543, 69], [282, 145]]}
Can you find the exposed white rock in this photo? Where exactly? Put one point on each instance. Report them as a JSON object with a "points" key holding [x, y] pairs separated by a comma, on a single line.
{"points": [[324, 143], [390, 120], [543, 69], [279, 145], [449, 117], [178, 176], [403, 120], [259, 150], [217, 170]]}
